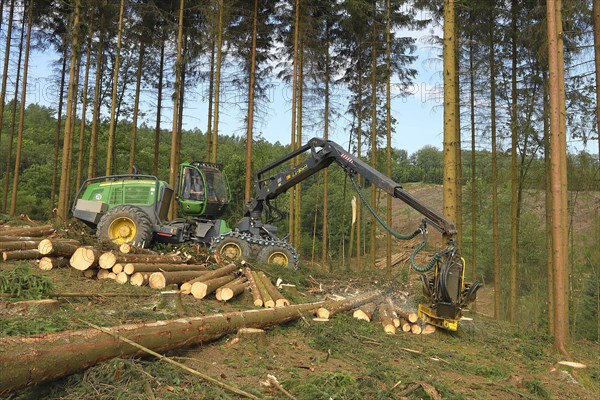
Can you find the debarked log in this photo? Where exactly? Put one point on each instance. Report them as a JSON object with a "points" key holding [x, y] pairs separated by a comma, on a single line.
{"points": [[30, 360]]}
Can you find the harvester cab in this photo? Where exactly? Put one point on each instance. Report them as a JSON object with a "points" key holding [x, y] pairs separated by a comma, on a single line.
{"points": [[133, 208]]}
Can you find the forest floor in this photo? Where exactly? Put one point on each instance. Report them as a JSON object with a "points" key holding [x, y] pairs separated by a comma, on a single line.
{"points": [[340, 359]]}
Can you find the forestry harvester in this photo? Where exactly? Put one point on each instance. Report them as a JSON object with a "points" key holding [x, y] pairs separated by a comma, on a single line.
{"points": [[133, 208]]}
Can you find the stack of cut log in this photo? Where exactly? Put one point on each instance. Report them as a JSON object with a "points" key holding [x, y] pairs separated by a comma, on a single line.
{"points": [[393, 318], [264, 293]]}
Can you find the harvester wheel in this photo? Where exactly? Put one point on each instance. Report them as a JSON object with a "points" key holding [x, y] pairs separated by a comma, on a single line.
{"points": [[232, 248], [277, 255], [125, 224]]}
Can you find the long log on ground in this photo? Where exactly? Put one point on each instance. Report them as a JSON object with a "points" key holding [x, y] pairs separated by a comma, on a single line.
{"points": [[127, 248], [385, 317], [230, 292], [264, 295], [256, 298], [158, 280], [365, 312], [19, 239], [30, 360], [47, 263], [277, 297], [110, 258], [57, 248], [202, 289], [21, 255], [19, 245], [35, 231], [84, 257], [141, 267]]}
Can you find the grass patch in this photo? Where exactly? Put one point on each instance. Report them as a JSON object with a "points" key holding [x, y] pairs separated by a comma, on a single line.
{"points": [[339, 385], [537, 388]]}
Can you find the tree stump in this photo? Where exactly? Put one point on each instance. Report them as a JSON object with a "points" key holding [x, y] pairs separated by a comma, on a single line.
{"points": [[254, 336]]}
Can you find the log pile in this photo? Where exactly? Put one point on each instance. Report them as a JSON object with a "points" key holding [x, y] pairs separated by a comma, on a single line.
{"points": [[391, 318]]}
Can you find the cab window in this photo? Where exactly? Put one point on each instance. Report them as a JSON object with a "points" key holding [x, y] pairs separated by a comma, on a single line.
{"points": [[192, 187]]}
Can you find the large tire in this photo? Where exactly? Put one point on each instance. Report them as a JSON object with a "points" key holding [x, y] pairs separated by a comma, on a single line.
{"points": [[232, 248], [126, 224], [278, 255]]}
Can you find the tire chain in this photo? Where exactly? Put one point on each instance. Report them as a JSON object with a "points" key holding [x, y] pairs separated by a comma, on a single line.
{"points": [[256, 242]]}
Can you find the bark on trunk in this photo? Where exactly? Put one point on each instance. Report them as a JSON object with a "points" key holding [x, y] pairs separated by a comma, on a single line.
{"points": [[385, 316], [24, 245], [142, 267], [256, 298], [109, 259], [20, 255], [277, 297], [56, 248], [35, 231], [265, 296]]}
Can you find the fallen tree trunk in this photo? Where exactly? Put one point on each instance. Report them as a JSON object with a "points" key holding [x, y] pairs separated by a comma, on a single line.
{"points": [[35, 231], [47, 263], [109, 258], [30, 360], [256, 298], [141, 267], [264, 295], [21, 255], [57, 248], [19, 245], [19, 239]]}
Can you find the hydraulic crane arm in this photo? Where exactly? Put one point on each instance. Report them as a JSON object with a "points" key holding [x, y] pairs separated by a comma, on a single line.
{"points": [[270, 182]]}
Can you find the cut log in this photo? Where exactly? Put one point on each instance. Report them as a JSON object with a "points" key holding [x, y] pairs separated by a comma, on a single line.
{"points": [[57, 248], [404, 325], [158, 280], [264, 295], [129, 269], [84, 258], [410, 316], [47, 263], [228, 292], [149, 258], [127, 248], [416, 328], [202, 289], [29, 360], [102, 274], [122, 278], [35, 231], [365, 312], [117, 268], [385, 317], [107, 260], [234, 282], [158, 267], [21, 255], [138, 279], [428, 329], [111, 275], [186, 287], [256, 298], [19, 245], [322, 313], [279, 300]]}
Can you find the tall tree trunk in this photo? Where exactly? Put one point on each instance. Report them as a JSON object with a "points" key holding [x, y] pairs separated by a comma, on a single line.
{"points": [[473, 164], [136, 105], [211, 90], [548, 203], [84, 105], [514, 226], [68, 133], [251, 83], [112, 126], [495, 229], [93, 163], [13, 201], [450, 116], [292, 192], [181, 101], [161, 70], [359, 155], [596, 22], [388, 124], [299, 126], [559, 184], [215, 137], [13, 119], [11, 14], [324, 231], [63, 73], [175, 135], [374, 42]]}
